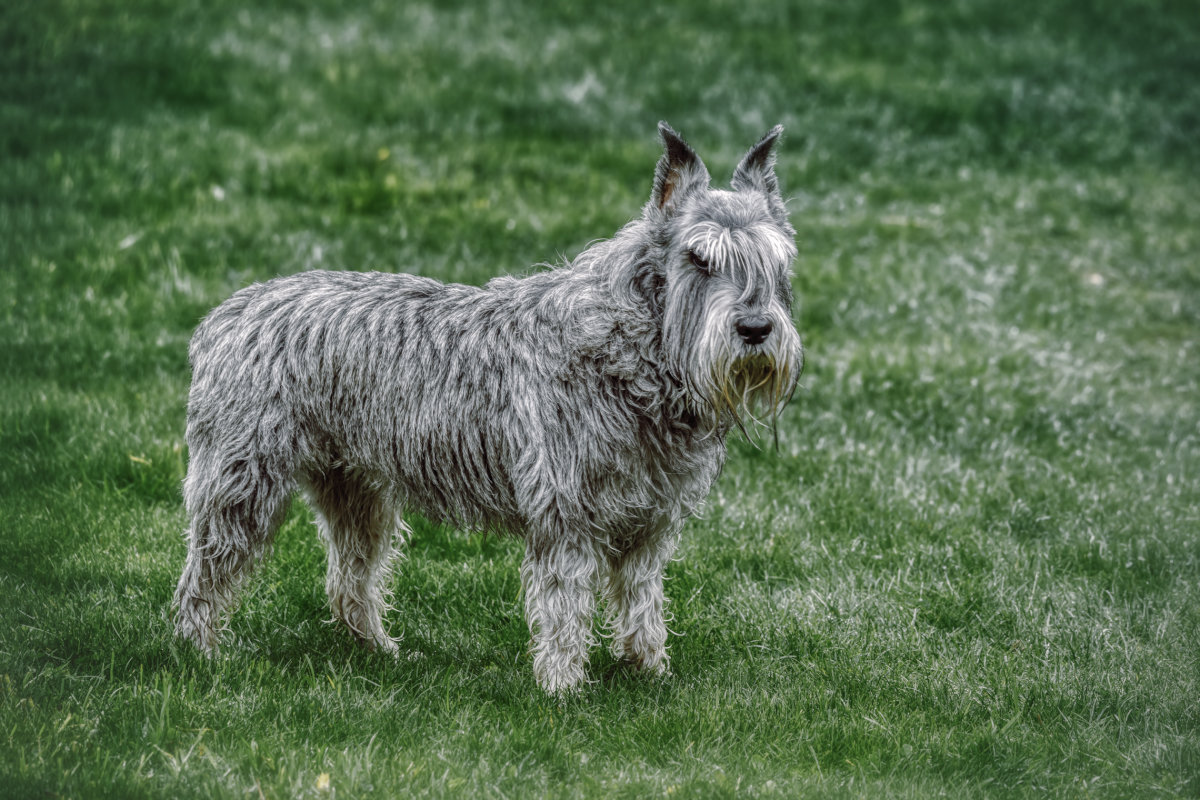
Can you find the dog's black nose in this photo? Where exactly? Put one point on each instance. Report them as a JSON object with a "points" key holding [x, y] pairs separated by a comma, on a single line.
{"points": [[754, 330]]}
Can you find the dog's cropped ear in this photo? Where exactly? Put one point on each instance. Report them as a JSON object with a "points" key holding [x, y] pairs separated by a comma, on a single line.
{"points": [[757, 170], [679, 171]]}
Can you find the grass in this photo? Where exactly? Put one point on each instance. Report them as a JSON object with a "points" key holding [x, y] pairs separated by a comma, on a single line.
{"points": [[972, 569]]}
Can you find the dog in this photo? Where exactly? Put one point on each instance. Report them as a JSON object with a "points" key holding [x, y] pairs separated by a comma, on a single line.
{"points": [[584, 408]]}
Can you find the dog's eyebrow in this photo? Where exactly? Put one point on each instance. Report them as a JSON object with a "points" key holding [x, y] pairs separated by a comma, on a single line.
{"points": [[740, 248]]}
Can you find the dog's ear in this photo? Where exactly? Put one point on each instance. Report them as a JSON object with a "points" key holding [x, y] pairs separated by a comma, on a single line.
{"points": [[757, 170], [679, 171]]}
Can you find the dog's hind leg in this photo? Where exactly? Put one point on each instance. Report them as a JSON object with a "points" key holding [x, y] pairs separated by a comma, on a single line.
{"points": [[358, 525], [235, 507]]}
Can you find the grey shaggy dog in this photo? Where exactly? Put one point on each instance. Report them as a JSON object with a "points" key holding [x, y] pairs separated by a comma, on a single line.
{"points": [[584, 408]]}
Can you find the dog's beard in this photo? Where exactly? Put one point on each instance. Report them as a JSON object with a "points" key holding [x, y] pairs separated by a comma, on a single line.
{"points": [[753, 390], [749, 387]]}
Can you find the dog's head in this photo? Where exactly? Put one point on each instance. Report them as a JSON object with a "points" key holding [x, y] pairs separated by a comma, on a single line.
{"points": [[725, 289]]}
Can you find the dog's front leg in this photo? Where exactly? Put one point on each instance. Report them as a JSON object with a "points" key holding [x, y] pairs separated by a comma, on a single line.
{"points": [[634, 591], [559, 580]]}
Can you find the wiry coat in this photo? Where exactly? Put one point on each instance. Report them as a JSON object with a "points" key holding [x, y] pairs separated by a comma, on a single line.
{"points": [[584, 408]]}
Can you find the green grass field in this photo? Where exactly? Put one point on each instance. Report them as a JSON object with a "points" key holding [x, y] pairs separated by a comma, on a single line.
{"points": [[972, 569]]}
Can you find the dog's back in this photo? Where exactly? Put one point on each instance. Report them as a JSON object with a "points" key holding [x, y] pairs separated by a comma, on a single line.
{"points": [[308, 372]]}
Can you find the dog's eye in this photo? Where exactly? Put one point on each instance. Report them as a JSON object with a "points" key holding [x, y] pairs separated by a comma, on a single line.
{"points": [[698, 260]]}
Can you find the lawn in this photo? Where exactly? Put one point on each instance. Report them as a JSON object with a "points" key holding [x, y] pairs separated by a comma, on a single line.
{"points": [[971, 567]]}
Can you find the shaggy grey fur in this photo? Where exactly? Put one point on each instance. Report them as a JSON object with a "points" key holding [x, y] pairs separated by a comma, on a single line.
{"points": [[584, 408]]}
